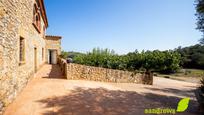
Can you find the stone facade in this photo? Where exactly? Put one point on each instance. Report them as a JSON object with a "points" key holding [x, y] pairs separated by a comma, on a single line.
{"points": [[53, 43], [82, 72], [16, 21]]}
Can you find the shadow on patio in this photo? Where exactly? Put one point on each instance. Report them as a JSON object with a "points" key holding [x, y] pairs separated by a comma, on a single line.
{"points": [[180, 92], [54, 73], [100, 101]]}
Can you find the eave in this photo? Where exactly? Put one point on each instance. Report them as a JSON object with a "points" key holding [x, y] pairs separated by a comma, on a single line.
{"points": [[43, 12]]}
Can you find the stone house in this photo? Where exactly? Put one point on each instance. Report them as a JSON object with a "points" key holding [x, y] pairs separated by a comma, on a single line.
{"points": [[24, 46], [53, 48]]}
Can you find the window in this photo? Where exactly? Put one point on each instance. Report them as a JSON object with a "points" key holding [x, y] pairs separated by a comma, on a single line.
{"points": [[22, 51], [36, 17], [37, 20], [42, 54]]}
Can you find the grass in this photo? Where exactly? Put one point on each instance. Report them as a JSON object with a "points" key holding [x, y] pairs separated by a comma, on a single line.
{"points": [[189, 75]]}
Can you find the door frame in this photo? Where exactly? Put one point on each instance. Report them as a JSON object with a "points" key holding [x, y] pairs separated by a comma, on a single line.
{"points": [[50, 56]]}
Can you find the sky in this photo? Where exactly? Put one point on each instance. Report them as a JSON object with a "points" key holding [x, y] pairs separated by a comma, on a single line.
{"points": [[122, 25]]}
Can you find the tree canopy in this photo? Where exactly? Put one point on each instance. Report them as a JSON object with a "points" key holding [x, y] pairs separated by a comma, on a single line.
{"points": [[162, 61], [200, 17], [192, 56]]}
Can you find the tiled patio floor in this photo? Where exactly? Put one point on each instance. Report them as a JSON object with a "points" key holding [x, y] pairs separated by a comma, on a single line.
{"points": [[49, 94]]}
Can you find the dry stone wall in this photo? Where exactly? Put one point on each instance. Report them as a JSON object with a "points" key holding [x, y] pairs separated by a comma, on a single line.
{"points": [[63, 65], [81, 72]]}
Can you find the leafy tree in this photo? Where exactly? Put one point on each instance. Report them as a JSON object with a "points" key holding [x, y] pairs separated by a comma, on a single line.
{"points": [[192, 56], [73, 54], [202, 41], [166, 61], [64, 54], [200, 17]]}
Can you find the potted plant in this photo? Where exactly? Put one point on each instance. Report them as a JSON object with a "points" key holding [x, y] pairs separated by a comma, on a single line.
{"points": [[200, 95]]}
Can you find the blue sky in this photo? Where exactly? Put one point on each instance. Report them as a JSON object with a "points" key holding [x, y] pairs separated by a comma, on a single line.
{"points": [[122, 25]]}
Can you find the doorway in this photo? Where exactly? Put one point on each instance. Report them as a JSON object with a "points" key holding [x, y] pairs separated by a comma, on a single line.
{"points": [[52, 56]]}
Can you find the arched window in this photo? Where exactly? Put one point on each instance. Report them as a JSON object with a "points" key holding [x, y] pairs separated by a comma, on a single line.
{"points": [[36, 20], [36, 17]]}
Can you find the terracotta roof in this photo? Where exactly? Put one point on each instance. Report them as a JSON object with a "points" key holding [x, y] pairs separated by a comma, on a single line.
{"points": [[43, 11]]}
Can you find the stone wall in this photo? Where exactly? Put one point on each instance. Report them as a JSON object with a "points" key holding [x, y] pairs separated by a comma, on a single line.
{"points": [[63, 65], [16, 18], [81, 72]]}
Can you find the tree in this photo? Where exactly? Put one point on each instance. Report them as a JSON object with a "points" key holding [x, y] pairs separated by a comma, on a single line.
{"points": [[200, 17], [202, 41], [161, 61], [64, 54], [192, 56]]}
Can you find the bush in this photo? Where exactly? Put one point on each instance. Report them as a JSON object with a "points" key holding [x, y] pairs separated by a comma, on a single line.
{"points": [[161, 61], [64, 55], [155, 74]]}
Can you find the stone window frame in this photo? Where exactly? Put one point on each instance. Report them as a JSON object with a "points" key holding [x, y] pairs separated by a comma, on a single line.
{"points": [[37, 17], [22, 51]]}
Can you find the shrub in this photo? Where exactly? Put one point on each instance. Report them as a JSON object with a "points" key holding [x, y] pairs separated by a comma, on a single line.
{"points": [[64, 55], [162, 61], [155, 74]]}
